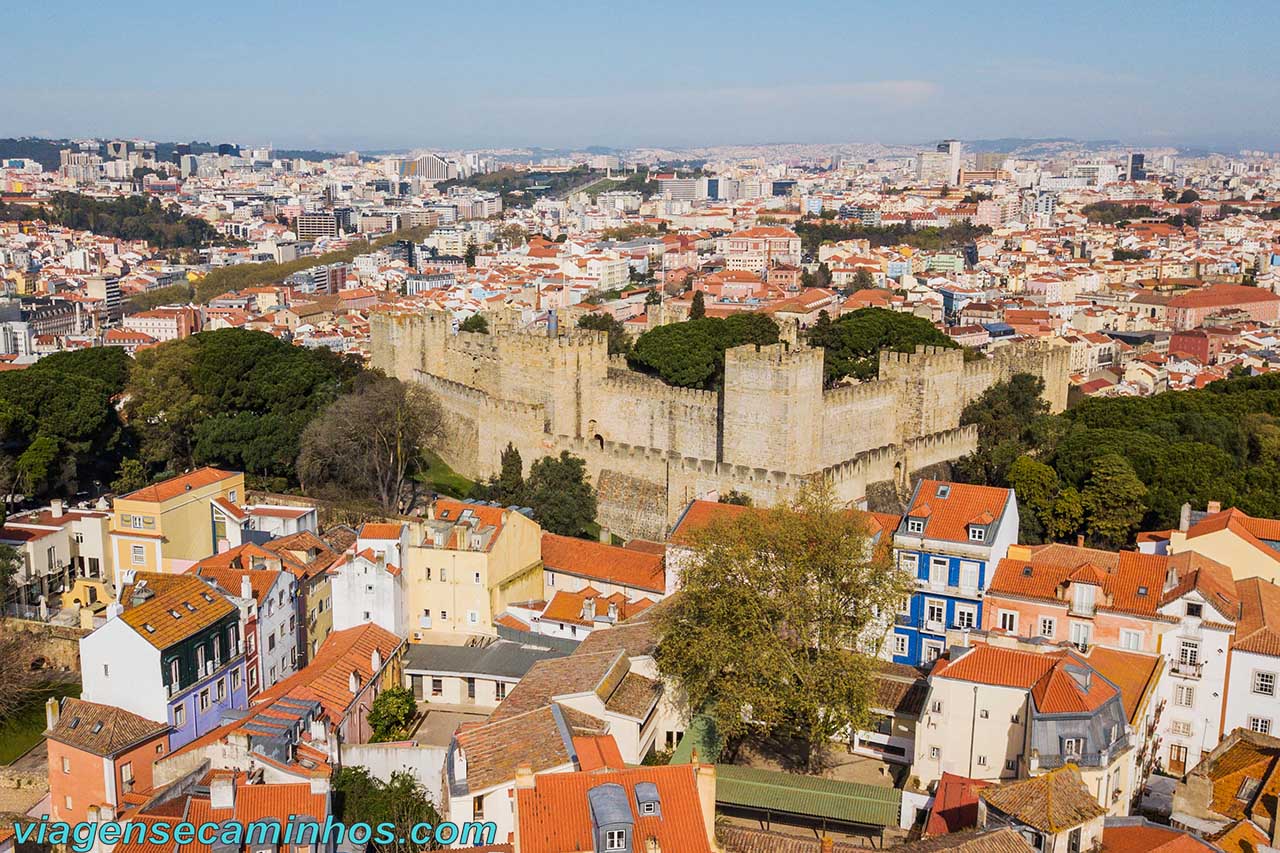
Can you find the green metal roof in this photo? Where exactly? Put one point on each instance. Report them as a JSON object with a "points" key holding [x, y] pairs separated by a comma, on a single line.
{"points": [[808, 796], [702, 736]]}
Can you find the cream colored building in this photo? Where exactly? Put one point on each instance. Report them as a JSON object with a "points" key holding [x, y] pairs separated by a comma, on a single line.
{"points": [[1244, 543], [168, 526], [472, 561]]}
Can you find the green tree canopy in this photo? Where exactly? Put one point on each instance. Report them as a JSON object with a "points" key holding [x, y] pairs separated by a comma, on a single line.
{"points": [[233, 398], [562, 499], [619, 340], [401, 801], [698, 307], [691, 354], [776, 627], [391, 713], [475, 323], [852, 344]]}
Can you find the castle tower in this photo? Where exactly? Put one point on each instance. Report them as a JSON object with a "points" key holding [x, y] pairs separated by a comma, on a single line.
{"points": [[928, 387], [772, 408], [403, 342]]}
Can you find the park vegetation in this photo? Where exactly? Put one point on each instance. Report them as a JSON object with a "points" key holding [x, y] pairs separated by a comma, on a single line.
{"points": [[557, 490], [814, 232]]}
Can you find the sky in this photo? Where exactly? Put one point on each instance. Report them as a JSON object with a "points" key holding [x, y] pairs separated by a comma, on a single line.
{"points": [[398, 75]]}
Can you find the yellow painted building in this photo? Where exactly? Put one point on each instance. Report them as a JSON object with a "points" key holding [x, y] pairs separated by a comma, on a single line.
{"points": [[168, 526], [473, 561], [1247, 545]]}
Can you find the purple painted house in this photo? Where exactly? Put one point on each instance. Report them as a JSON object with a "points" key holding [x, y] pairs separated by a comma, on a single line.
{"points": [[171, 651]]}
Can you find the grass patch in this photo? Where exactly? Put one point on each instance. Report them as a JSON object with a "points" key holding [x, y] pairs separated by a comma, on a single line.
{"points": [[443, 479], [24, 729]]}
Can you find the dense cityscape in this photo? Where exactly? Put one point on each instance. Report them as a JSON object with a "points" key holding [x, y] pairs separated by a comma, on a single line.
{"points": [[920, 492]]}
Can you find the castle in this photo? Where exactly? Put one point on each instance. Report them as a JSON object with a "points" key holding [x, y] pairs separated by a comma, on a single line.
{"points": [[651, 448]]}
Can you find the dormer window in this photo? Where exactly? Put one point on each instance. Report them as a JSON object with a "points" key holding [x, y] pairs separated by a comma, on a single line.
{"points": [[915, 525], [1194, 610], [615, 839], [977, 534], [944, 490], [648, 808]]}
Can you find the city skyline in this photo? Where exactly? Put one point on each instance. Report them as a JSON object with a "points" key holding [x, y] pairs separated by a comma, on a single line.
{"points": [[678, 77]]}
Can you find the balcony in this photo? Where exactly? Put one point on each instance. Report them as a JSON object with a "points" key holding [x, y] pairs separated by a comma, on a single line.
{"points": [[1083, 759], [1187, 669], [934, 626]]}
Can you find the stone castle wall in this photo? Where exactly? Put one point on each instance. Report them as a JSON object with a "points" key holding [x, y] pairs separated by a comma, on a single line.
{"points": [[647, 444]]}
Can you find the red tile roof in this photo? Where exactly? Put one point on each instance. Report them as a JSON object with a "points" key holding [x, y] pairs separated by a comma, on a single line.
{"points": [[955, 804], [173, 487], [1046, 675], [607, 563], [949, 518], [1258, 630], [555, 815]]}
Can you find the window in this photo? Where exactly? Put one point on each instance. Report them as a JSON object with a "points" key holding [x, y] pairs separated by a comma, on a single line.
{"points": [[936, 707], [476, 576], [1048, 626], [444, 615], [977, 534], [471, 688], [472, 617], [1011, 764], [984, 714], [935, 752], [615, 839], [1073, 840], [477, 808], [173, 673], [551, 579], [1181, 728], [1009, 621], [1131, 640], [648, 808], [68, 801], [1072, 746], [437, 687], [938, 572], [915, 525], [204, 699], [899, 645], [1194, 609], [220, 690], [1082, 598], [1260, 724], [932, 651], [235, 678], [137, 554], [982, 761], [1184, 695], [909, 563], [136, 522], [966, 615], [1264, 683], [500, 690], [1189, 652], [179, 716], [968, 575], [444, 574], [1081, 635], [66, 764], [935, 614]]}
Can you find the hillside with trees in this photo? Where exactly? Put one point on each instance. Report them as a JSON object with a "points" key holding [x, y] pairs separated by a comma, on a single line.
{"points": [[1112, 466], [814, 232], [134, 217]]}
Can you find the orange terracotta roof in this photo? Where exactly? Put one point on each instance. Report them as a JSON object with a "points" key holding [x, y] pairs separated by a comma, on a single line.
{"points": [[1146, 837], [175, 486], [607, 563], [1258, 630], [374, 530], [555, 814], [949, 518], [182, 605], [598, 752], [327, 678]]}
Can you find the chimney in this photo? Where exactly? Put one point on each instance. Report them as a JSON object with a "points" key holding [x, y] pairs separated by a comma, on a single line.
{"points": [[606, 536], [589, 609], [114, 609], [524, 775], [1213, 506], [1079, 540], [706, 781], [827, 844], [51, 712], [222, 791], [246, 588], [1019, 552], [1184, 517], [55, 507]]}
